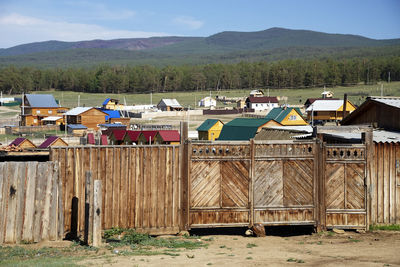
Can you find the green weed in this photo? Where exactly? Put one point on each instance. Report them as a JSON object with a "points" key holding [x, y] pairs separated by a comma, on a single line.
{"points": [[390, 227], [251, 245]]}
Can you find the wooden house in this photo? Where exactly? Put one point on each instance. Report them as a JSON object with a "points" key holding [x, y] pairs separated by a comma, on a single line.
{"points": [[259, 103], [169, 105], [87, 116], [147, 137], [287, 116], [309, 101], [244, 128], [35, 108], [210, 129], [77, 129], [167, 137], [112, 104], [117, 137], [380, 112], [53, 141], [22, 143], [328, 110], [131, 137]]}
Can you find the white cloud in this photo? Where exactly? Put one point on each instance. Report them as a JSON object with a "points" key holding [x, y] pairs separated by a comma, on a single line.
{"points": [[17, 29], [189, 22]]}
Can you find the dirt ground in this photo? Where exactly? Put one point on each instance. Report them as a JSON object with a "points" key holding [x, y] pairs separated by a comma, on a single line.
{"points": [[380, 248]]}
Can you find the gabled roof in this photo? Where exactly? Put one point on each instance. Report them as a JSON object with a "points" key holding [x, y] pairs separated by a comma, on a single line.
{"points": [[169, 135], [111, 113], [394, 102], [149, 134], [325, 105], [309, 101], [41, 101], [241, 129], [133, 135], [49, 141], [118, 134], [52, 118], [279, 114], [262, 99], [170, 103], [17, 141], [108, 100], [77, 111], [207, 124], [113, 125], [76, 126]]}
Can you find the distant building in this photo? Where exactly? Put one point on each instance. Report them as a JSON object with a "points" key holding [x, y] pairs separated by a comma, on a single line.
{"points": [[244, 128], [309, 101], [112, 104], [169, 137], [35, 108], [22, 143], [131, 137], [207, 102], [87, 116], [117, 137], [147, 137], [327, 94], [328, 110], [53, 141], [287, 116], [261, 102], [169, 105], [256, 93], [210, 129], [52, 120], [77, 129]]}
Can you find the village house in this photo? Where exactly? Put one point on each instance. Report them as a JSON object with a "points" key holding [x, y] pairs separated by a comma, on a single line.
{"points": [[22, 143], [328, 110], [309, 101], [77, 129], [256, 93], [87, 116], [167, 137], [210, 129], [169, 105], [35, 108], [244, 128], [261, 103], [53, 141], [112, 104], [287, 116], [207, 102]]}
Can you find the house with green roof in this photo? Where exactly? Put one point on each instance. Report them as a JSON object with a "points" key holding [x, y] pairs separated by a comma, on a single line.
{"points": [[287, 116], [244, 128], [210, 129]]}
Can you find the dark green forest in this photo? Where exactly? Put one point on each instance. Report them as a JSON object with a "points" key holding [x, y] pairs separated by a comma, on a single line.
{"points": [[294, 73]]}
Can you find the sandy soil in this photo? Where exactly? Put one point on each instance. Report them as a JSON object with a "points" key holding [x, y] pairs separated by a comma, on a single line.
{"points": [[327, 249]]}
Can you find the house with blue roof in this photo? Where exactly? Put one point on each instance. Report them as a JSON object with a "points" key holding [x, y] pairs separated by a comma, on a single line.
{"points": [[112, 104], [36, 107]]}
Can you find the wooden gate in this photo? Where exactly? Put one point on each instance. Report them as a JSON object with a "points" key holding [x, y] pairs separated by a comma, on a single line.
{"points": [[345, 186]]}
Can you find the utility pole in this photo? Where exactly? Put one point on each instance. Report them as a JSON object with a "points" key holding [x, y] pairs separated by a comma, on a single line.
{"points": [[79, 100], [389, 77], [381, 89]]}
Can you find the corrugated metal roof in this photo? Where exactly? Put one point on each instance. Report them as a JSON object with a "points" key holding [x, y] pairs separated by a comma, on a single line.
{"points": [[300, 128], [113, 125], [262, 99], [171, 103], [394, 102], [41, 101], [379, 136], [207, 124], [241, 129], [77, 111], [50, 140], [52, 118], [76, 126], [279, 114], [118, 134], [133, 135], [325, 105], [170, 135], [17, 141], [111, 113], [106, 101]]}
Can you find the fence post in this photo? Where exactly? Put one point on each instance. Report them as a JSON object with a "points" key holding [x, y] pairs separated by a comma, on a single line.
{"points": [[368, 138], [184, 161], [97, 213], [321, 184], [88, 215]]}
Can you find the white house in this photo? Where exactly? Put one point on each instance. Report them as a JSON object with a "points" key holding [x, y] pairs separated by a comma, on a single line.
{"points": [[207, 102], [262, 102]]}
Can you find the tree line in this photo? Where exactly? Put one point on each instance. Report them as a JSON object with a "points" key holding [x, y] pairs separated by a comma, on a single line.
{"points": [[147, 78]]}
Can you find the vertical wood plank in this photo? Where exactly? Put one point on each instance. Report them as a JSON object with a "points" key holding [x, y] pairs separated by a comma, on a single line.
{"points": [[392, 184], [39, 200], [13, 172], [386, 184], [109, 187], [88, 222], [53, 220], [60, 211], [3, 185], [154, 186], [369, 143], [97, 213], [47, 201]]}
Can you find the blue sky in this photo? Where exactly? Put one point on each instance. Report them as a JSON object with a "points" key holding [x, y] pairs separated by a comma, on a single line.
{"points": [[25, 21]]}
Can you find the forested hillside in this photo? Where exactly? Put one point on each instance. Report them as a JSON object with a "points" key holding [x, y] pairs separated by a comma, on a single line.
{"points": [[147, 78]]}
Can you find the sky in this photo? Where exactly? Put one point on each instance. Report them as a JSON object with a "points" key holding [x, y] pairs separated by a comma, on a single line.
{"points": [[27, 21]]}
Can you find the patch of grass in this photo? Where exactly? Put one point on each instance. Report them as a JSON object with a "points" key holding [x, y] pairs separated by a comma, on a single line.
{"points": [[249, 258], [231, 255], [223, 246], [354, 240], [209, 263], [319, 243], [251, 245], [295, 260], [208, 239], [390, 227]]}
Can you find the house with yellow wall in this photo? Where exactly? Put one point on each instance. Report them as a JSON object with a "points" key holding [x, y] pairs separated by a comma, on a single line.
{"points": [[210, 129], [328, 110], [112, 104], [287, 116]]}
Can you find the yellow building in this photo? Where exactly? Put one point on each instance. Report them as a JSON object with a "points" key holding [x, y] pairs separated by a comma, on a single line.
{"points": [[328, 110], [112, 104], [210, 129], [287, 116]]}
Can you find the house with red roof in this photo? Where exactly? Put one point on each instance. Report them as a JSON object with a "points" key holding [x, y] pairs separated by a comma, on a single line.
{"points": [[117, 137], [131, 137], [170, 137], [22, 143], [147, 137], [259, 103], [53, 141]]}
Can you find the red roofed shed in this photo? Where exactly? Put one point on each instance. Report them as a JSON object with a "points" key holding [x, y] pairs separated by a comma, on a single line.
{"points": [[131, 137], [117, 137], [167, 137]]}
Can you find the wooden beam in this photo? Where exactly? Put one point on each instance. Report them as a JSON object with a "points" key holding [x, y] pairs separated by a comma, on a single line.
{"points": [[97, 213]]}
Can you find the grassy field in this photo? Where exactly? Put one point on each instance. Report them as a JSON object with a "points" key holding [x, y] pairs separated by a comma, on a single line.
{"points": [[356, 94]]}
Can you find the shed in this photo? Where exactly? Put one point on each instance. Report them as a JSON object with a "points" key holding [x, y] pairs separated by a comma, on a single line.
{"points": [[207, 102], [53, 141], [52, 120], [76, 129], [287, 116], [260, 103], [22, 143], [171, 137], [244, 128], [147, 137], [131, 137], [381, 112], [88, 116], [169, 105], [328, 110], [117, 137], [210, 129]]}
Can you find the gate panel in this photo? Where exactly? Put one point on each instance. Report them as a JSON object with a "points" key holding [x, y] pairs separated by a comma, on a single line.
{"points": [[268, 184], [205, 185], [235, 184], [298, 183], [355, 189], [334, 186]]}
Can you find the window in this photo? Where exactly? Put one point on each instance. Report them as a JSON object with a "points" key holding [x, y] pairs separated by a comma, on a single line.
{"points": [[293, 117], [37, 111], [50, 112]]}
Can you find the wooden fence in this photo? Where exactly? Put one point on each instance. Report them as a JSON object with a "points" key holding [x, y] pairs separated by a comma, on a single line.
{"points": [[140, 186], [30, 203]]}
